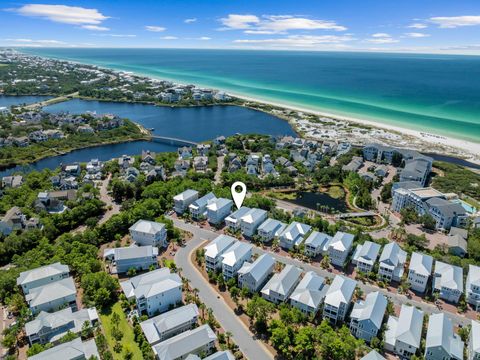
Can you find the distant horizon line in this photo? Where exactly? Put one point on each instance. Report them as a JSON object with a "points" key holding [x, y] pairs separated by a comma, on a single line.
{"points": [[363, 51]]}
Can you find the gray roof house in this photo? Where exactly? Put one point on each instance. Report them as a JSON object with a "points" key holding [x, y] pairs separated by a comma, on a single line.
{"points": [[270, 229], [232, 221], [221, 355], [218, 210], [234, 257], [472, 286], [373, 355], [131, 257], [51, 327], [52, 296], [281, 285], [309, 293], [198, 208], [457, 241], [251, 221], [182, 200], [254, 275], [154, 291], [72, 350], [214, 250], [42, 276], [473, 350], [419, 272], [404, 333], [169, 324], [339, 248], [354, 165], [367, 316], [365, 256], [315, 243], [338, 298], [200, 340], [442, 342], [145, 232], [392, 262], [448, 281], [293, 235]]}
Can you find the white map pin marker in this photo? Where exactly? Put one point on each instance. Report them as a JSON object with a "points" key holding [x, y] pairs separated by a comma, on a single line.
{"points": [[238, 197]]}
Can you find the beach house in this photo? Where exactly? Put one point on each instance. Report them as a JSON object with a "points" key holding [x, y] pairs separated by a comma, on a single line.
{"points": [[472, 286], [293, 235], [447, 281], [281, 285], [132, 257], [52, 296], [270, 229], [41, 276], [234, 257], [339, 247], [338, 298], [419, 272], [71, 350], [392, 262], [145, 232], [233, 221], [218, 210], [315, 243], [367, 316], [214, 249], [309, 293], [198, 208], [365, 256], [251, 221], [183, 200], [473, 350], [254, 275], [442, 343]]}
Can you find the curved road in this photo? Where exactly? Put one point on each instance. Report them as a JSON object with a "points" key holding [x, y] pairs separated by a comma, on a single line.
{"points": [[252, 349], [397, 299]]}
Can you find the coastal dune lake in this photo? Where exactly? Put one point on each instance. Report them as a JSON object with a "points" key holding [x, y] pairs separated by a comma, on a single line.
{"points": [[188, 123]]}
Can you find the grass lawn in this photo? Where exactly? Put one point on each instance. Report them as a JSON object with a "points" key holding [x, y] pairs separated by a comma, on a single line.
{"points": [[336, 192], [127, 341], [282, 195]]}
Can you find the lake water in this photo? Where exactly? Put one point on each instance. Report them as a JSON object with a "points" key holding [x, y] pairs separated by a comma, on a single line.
{"points": [[8, 101], [193, 123], [316, 201]]}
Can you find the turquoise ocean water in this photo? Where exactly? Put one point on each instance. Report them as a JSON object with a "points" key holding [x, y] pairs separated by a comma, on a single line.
{"points": [[434, 93]]}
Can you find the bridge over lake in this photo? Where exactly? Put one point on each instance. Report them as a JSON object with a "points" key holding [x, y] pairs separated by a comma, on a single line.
{"points": [[356, 214], [173, 141]]}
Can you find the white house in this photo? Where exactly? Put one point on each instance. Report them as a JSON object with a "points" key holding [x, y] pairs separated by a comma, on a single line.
{"points": [[233, 221], [254, 275], [281, 285], [367, 316], [131, 257], [365, 256], [392, 262], [339, 248], [41, 276], [309, 293], [214, 250], [218, 210], [473, 286], [315, 243], [419, 272], [183, 200], [373, 355], [270, 229], [234, 257], [404, 333], [155, 292], [473, 350], [145, 232], [448, 281], [198, 208], [200, 340], [251, 221], [338, 298], [442, 343], [52, 296], [293, 235], [169, 324], [72, 350]]}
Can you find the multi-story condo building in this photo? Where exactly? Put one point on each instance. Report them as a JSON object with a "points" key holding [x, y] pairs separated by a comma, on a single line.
{"points": [[281, 285], [145, 232], [214, 251], [253, 276], [367, 316], [234, 257]]}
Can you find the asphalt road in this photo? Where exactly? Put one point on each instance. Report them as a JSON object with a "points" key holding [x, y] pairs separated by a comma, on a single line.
{"points": [[251, 348], [397, 299]]}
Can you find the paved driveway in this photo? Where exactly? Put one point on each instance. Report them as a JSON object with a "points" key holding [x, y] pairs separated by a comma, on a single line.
{"points": [[252, 349], [397, 299]]}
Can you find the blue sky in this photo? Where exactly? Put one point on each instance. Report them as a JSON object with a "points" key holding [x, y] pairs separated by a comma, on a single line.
{"points": [[436, 26]]}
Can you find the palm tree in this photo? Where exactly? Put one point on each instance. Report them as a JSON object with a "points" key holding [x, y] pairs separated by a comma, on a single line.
{"points": [[228, 335]]}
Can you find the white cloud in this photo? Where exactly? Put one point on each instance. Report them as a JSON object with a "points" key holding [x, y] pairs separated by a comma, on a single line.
{"points": [[416, 35], [117, 35], [298, 41], [204, 38], [381, 38], [417, 26], [380, 35], [34, 43], [276, 24], [63, 14], [169, 38], [189, 21], [456, 21], [155, 28], [95, 27]]}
